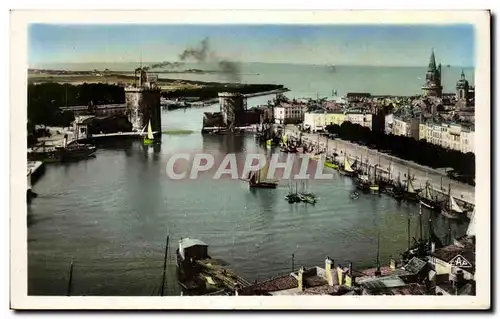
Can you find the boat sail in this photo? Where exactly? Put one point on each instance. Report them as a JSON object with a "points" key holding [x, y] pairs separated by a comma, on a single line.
{"points": [[149, 138], [427, 199], [451, 209], [347, 169], [347, 166], [258, 179]]}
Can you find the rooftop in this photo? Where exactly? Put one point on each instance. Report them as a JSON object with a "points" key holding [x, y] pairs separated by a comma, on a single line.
{"points": [[189, 242], [449, 252]]}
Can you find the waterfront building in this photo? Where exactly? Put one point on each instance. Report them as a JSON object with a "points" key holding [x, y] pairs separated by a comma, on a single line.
{"points": [[318, 120], [448, 135], [359, 116], [389, 122], [289, 113], [432, 86], [406, 126]]}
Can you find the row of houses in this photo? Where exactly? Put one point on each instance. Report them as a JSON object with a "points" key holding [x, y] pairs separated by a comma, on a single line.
{"points": [[455, 136], [449, 270]]}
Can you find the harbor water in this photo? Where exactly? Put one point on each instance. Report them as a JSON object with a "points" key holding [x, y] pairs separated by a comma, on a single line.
{"points": [[111, 216]]}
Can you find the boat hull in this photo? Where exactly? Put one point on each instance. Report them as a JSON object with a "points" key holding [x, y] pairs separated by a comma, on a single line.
{"points": [[331, 165], [263, 185], [452, 214], [429, 204]]}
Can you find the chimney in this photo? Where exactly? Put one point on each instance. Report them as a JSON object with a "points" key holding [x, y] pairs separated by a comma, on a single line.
{"points": [[340, 274], [300, 279], [459, 278], [328, 271]]}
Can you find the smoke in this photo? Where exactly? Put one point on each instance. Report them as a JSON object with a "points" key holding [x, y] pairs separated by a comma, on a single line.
{"points": [[231, 70], [202, 53], [198, 54]]}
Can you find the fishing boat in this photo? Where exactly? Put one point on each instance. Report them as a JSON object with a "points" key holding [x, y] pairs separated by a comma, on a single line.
{"points": [[346, 169], [428, 200], [410, 192], [74, 152], [200, 274], [330, 161], [269, 143], [374, 187], [451, 210], [148, 140], [363, 182], [258, 179]]}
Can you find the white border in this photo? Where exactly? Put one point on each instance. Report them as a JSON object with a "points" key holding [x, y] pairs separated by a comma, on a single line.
{"points": [[18, 80]]}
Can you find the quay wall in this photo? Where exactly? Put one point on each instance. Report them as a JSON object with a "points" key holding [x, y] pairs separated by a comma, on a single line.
{"points": [[461, 191]]}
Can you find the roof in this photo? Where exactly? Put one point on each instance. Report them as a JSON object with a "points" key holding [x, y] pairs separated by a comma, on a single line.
{"points": [[447, 253], [188, 242], [382, 282], [279, 283], [415, 265]]}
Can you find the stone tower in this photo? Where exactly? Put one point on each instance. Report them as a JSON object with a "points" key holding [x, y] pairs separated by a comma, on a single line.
{"points": [[462, 88], [142, 102], [433, 85]]}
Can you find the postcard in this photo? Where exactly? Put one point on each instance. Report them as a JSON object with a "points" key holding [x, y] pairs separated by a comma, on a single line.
{"points": [[250, 160]]}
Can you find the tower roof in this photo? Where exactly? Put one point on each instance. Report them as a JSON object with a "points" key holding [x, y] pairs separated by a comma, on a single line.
{"points": [[462, 83], [432, 62]]}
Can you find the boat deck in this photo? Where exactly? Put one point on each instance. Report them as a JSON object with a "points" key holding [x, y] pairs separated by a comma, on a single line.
{"points": [[224, 275]]}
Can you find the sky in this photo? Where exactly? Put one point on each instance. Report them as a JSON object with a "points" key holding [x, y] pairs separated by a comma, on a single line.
{"points": [[379, 45]]}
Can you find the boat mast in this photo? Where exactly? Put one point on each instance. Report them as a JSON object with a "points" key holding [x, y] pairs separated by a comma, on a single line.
{"points": [[70, 281], [409, 241], [164, 268], [377, 272], [420, 220]]}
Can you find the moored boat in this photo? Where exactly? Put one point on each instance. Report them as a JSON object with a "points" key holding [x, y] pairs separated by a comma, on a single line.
{"points": [[346, 169], [258, 179], [451, 209]]}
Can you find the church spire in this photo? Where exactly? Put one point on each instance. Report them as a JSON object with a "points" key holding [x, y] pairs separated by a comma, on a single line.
{"points": [[462, 75], [432, 62]]}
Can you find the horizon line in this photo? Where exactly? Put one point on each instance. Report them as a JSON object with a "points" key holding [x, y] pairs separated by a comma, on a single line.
{"points": [[246, 62]]}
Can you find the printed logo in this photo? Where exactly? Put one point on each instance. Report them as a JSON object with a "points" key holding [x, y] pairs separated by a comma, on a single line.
{"points": [[460, 261]]}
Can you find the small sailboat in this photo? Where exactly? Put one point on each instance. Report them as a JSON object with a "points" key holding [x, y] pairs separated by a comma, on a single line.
{"points": [[451, 208], [374, 187], [258, 179], [410, 192], [347, 170], [330, 162], [427, 199], [269, 143], [148, 140]]}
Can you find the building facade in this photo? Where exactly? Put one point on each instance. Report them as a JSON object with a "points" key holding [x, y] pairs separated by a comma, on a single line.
{"points": [[406, 126], [288, 113], [448, 135]]}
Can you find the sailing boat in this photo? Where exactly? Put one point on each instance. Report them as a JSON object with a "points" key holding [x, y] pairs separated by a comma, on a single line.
{"points": [[410, 192], [373, 184], [427, 199], [148, 140], [451, 208], [347, 170], [258, 179], [330, 161]]}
